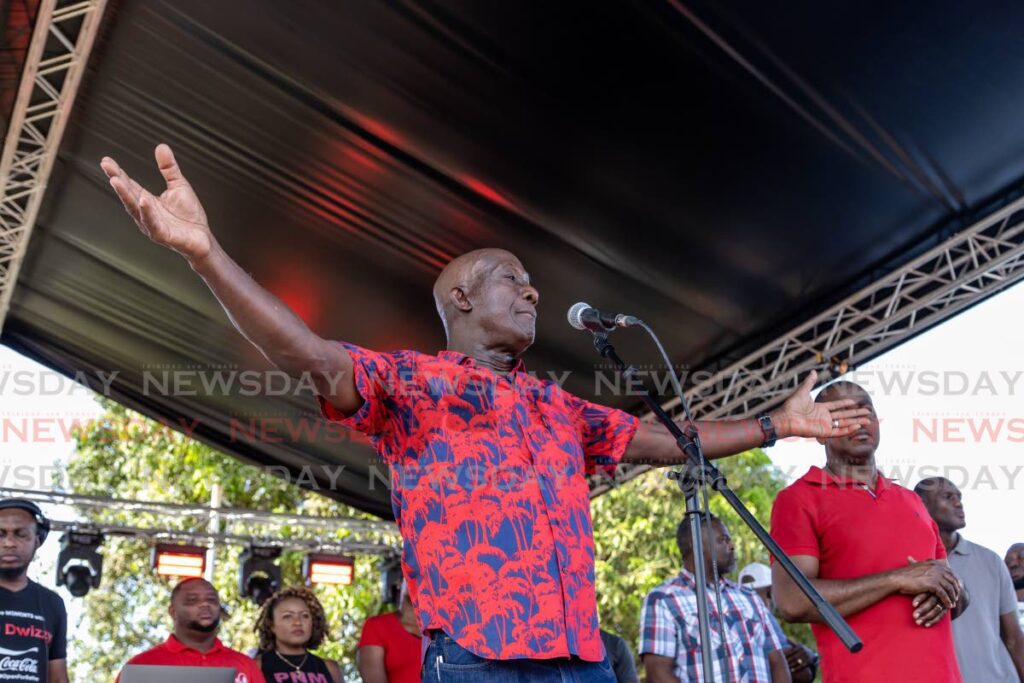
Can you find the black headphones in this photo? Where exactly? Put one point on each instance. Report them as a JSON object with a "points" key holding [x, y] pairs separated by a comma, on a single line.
{"points": [[42, 523]]}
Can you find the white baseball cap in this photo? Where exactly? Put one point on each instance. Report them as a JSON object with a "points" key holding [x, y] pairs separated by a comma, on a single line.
{"points": [[756, 575]]}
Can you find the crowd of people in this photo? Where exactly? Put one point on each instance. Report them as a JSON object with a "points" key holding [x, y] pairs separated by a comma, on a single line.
{"points": [[984, 643], [290, 626], [928, 604], [489, 470]]}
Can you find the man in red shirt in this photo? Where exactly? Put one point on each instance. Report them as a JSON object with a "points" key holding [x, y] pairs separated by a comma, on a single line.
{"points": [[389, 646], [195, 609], [872, 550], [488, 463]]}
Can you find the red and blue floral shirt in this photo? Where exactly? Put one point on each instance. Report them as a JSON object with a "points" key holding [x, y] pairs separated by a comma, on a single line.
{"points": [[489, 488]]}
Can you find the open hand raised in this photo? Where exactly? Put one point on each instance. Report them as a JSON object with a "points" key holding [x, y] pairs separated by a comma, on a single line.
{"points": [[828, 419], [176, 218]]}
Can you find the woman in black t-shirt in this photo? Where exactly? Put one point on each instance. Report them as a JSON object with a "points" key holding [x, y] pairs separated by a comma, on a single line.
{"points": [[291, 623]]}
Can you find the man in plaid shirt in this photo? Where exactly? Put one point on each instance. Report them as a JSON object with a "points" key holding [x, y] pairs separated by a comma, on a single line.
{"points": [[670, 635]]}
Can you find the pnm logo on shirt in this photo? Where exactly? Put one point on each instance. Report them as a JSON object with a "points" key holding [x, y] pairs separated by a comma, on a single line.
{"points": [[16, 661]]}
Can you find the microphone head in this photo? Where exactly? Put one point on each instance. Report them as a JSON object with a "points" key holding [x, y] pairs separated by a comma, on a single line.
{"points": [[575, 315]]}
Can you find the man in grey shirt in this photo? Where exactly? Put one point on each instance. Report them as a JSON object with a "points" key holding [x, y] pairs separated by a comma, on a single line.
{"points": [[1015, 563], [988, 639]]}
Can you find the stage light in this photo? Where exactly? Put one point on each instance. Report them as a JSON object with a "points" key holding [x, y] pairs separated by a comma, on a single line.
{"points": [[258, 576], [79, 564], [333, 570], [181, 561]]}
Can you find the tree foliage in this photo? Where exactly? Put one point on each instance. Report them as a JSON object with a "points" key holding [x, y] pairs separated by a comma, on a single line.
{"points": [[123, 455]]}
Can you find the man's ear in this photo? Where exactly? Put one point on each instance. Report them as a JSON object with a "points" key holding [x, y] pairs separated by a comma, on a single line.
{"points": [[460, 298]]}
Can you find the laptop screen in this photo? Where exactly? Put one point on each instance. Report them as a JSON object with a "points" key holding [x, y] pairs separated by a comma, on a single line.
{"points": [[137, 673]]}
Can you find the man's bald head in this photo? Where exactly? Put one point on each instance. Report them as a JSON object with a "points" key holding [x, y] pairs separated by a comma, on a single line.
{"points": [[464, 273]]}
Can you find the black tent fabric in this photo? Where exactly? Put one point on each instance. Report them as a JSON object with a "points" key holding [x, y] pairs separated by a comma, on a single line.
{"points": [[722, 170]]}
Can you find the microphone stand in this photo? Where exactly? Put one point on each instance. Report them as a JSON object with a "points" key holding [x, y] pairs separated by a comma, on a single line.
{"points": [[696, 469]]}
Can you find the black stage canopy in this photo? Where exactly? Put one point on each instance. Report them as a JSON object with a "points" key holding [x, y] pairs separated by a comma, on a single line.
{"points": [[723, 170]]}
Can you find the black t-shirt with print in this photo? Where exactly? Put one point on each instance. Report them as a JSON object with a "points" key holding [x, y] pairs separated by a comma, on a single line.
{"points": [[33, 631]]}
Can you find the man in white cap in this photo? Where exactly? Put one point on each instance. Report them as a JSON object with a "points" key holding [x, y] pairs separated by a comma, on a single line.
{"points": [[802, 661]]}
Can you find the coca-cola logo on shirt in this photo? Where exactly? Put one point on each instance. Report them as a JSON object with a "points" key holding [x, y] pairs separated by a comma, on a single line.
{"points": [[19, 661]]}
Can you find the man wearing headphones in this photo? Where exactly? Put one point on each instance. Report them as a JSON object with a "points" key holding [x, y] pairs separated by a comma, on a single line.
{"points": [[33, 621]]}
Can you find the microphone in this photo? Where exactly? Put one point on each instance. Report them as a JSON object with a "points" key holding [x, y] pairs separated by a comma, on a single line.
{"points": [[583, 316]]}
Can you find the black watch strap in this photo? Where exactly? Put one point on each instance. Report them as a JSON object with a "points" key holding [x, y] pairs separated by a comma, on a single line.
{"points": [[770, 435]]}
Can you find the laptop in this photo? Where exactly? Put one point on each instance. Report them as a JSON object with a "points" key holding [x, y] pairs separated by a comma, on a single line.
{"points": [[137, 673]]}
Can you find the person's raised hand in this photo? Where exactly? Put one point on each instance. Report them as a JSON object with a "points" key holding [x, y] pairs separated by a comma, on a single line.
{"points": [[801, 416], [176, 218]]}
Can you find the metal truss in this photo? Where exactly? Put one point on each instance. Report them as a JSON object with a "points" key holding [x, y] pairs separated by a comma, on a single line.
{"points": [[971, 266], [62, 39], [369, 536], [202, 538]]}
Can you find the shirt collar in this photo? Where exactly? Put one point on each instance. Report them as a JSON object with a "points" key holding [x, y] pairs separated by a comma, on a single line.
{"points": [[175, 646], [817, 476], [463, 359], [689, 579], [962, 547]]}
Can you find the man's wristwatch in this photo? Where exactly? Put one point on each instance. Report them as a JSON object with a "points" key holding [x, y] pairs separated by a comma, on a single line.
{"points": [[770, 435]]}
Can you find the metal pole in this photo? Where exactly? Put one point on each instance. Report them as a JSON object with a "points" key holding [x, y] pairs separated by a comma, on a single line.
{"points": [[216, 493]]}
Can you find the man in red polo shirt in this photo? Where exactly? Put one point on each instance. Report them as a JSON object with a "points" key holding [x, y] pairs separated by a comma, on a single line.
{"points": [[488, 463], [871, 548], [195, 609]]}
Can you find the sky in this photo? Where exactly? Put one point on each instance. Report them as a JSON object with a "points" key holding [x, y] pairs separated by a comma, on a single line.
{"points": [[951, 403]]}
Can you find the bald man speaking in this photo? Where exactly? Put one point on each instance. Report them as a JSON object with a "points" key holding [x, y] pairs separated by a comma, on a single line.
{"points": [[488, 463]]}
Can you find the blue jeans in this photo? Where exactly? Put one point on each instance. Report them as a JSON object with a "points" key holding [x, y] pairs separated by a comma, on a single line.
{"points": [[448, 662]]}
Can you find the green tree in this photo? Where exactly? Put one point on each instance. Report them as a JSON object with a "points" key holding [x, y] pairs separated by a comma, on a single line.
{"points": [[124, 455], [635, 536]]}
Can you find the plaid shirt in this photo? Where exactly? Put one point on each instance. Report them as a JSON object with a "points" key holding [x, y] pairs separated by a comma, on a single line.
{"points": [[668, 627]]}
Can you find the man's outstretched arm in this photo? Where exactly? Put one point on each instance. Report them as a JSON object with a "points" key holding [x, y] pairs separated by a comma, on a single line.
{"points": [[176, 220], [798, 416]]}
